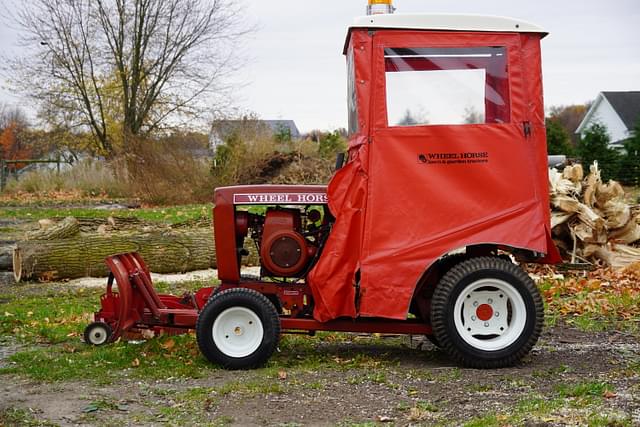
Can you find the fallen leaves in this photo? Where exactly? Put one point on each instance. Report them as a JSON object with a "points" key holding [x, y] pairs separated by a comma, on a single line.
{"points": [[606, 292], [168, 345], [68, 348]]}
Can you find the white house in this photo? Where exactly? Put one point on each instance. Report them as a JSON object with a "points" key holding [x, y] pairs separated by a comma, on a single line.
{"points": [[618, 111]]}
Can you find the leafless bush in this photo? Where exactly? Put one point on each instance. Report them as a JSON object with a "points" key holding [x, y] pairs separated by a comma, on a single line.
{"points": [[161, 172], [308, 167], [247, 157], [261, 159]]}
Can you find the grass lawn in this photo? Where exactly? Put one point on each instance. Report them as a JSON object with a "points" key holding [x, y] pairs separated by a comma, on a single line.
{"points": [[175, 385], [172, 214]]}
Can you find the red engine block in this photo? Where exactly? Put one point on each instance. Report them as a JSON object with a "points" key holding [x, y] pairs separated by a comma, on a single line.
{"points": [[284, 251]]}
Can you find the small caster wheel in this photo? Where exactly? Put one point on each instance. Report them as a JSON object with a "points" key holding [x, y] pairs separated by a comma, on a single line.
{"points": [[97, 333]]}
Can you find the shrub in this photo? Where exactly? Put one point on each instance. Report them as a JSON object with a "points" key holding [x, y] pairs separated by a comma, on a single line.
{"points": [[558, 140], [594, 146], [163, 172], [90, 177], [266, 158], [630, 162]]}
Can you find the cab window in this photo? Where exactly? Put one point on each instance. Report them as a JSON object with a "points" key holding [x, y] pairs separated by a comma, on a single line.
{"points": [[352, 101], [446, 86]]}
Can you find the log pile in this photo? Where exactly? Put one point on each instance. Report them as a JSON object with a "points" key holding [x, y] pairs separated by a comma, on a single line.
{"points": [[72, 248], [590, 220]]}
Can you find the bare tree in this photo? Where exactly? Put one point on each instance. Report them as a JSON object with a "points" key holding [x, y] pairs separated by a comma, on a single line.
{"points": [[472, 115], [123, 68], [412, 118], [569, 117], [11, 115]]}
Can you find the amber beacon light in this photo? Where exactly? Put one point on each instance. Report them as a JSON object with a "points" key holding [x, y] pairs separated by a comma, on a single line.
{"points": [[378, 7]]}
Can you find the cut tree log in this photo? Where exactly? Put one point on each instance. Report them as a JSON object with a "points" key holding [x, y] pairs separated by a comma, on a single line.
{"points": [[83, 256], [68, 227], [5, 257], [120, 223]]}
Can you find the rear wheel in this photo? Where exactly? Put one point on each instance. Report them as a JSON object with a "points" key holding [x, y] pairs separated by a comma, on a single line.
{"points": [[238, 328], [486, 313]]}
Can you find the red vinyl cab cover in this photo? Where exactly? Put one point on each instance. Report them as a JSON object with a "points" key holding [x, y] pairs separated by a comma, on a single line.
{"points": [[470, 169]]}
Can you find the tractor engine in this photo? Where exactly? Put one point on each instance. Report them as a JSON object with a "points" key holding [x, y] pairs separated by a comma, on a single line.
{"points": [[286, 245]]}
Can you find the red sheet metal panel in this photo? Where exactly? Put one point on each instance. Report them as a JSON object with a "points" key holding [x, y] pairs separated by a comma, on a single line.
{"points": [[411, 194]]}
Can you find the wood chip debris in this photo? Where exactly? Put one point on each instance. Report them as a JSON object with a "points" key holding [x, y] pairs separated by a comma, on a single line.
{"points": [[591, 221]]}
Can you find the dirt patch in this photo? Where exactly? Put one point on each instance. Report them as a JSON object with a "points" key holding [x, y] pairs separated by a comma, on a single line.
{"points": [[578, 374], [8, 347]]}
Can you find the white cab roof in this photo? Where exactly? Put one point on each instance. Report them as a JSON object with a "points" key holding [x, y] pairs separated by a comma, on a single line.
{"points": [[447, 22]]}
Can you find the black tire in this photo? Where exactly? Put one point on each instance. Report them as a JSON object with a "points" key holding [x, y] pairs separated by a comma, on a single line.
{"points": [[477, 275], [97, 333], [447, 262], [444, 265], [433, 340], [240, 302]]}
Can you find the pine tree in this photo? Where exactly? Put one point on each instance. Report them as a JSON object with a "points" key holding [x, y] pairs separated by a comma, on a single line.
{"points": [[630, 162], [594, 145], [558, 140]]}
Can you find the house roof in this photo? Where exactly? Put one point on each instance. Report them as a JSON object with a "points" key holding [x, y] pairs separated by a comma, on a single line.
{"points": [[278, 125], [627, 105]]}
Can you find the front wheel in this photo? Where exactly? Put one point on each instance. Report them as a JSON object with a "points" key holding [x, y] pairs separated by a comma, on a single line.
{"points": [[487, 313], [97, 333], [238, 328]]}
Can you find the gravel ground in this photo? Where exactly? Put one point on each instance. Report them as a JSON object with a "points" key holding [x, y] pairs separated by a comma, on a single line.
{"points": [[419, 387]]}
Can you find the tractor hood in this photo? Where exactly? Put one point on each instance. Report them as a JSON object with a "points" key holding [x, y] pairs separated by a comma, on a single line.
{"points": [[272, 194]]}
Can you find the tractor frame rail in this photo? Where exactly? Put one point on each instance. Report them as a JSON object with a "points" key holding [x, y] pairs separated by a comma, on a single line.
{"points": [[137, 306]]}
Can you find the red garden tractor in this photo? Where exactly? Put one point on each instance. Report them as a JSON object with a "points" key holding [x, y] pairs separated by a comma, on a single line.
{"points": [[442, 191]]}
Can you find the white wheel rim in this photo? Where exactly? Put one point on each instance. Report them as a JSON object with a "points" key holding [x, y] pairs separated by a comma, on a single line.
{"points": [[490, 314], [237, 332], [98, 335]]}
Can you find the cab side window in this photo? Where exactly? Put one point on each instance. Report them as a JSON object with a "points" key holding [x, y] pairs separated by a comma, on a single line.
{"points": [[446, 86]]}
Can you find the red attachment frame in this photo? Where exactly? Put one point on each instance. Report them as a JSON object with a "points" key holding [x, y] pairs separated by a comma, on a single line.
{"points": [[137, 306]]}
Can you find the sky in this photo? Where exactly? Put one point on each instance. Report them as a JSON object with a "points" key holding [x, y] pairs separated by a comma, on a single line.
{"points": [[294, 67]]}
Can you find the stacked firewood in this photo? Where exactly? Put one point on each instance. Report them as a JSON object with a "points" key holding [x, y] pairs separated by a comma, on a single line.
{"points": [[591, 221]]}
